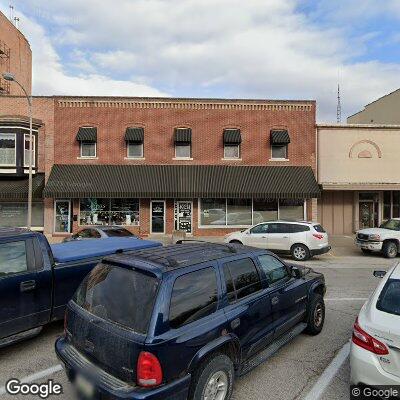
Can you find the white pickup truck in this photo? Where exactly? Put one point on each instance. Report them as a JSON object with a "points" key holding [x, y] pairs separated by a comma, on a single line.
{"points": [[385, 239]]}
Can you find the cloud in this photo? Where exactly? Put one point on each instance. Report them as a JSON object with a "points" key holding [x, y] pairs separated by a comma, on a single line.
{"points": [[222, 48]]}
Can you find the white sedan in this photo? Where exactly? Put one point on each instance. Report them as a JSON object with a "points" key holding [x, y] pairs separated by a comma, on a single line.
{"points": [[375, 347]]}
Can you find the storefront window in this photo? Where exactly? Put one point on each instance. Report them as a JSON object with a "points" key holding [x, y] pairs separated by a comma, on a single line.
{"points": [[396, 205], [213, 212], [15, 214], [264, 210], [7, 149], [291, 209], [109, 212], [239, 212], [387, 205]]}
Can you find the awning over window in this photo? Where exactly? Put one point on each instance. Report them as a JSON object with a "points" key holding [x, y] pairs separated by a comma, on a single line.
{"points": [[86, 134], [135, 135], [280, 137], [185, 181], [183, 135], [17, 189], [232, 136]]}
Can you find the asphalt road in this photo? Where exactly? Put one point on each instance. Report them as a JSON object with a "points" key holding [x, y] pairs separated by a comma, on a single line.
{"points": [[295, 372]]}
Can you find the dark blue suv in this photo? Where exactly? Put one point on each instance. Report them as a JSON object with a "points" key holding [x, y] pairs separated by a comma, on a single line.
{"points": [[182, 321]]}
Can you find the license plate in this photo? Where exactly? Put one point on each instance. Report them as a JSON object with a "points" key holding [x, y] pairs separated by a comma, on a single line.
{"points": [[84, 387]]}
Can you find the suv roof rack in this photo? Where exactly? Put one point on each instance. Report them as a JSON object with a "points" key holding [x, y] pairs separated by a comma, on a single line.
{"points": [[228, 246]]}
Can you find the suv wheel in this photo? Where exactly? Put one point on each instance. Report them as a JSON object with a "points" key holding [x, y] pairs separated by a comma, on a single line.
{"points": [[316, 315], [390, 249], [213, 380], [236, 241], [300, 252]]}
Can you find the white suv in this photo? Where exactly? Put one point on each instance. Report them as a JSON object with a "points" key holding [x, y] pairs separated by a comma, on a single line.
{"points": [[300, 239]]}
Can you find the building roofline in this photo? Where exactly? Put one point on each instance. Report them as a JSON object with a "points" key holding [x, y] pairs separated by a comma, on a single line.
{"points": [[2, 15], [358, 126]]}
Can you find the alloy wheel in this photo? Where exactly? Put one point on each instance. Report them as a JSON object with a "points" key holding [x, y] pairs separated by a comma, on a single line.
{"points": [[318, 315], [216, 387], [299, 253]]}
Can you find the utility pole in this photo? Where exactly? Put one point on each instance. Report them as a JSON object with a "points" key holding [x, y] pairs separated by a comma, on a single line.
{"points": [[339, 106]]}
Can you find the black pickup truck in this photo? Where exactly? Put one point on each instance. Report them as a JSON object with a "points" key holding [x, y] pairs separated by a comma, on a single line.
{"points": [[37, 279]]}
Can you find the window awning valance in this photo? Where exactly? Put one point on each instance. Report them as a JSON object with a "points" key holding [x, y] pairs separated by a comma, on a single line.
{"points": [[232, 136], [135, 135], [183, 135], [181, 181], [12, 189], [280, 137], [87, 134]]}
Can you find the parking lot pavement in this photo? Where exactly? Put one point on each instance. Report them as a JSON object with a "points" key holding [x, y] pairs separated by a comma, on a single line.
{"points": [[292, 373]]}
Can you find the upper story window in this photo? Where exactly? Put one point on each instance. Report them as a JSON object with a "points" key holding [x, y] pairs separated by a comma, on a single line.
{"points": [[26, 151], [280, 140], [8, 149], [232, 141], [87, 137], [134, 138], [183, 143]]}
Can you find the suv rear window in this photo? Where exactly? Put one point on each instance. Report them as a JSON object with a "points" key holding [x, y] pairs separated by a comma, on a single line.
{"points": [[194, 296], [119, 295], [319, 228], [389, 300], [241, 278], [300, 228]]}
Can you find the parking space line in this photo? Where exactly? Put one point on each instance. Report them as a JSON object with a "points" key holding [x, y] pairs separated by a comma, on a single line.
{"points": [[36, 376], [347, 299], [327, 376]]}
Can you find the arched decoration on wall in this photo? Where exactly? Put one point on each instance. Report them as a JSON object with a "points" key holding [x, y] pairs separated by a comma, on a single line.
{"points": [[365, 149]]}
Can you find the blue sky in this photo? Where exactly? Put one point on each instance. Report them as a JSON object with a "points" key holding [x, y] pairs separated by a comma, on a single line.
{"points": [[273, 49]]}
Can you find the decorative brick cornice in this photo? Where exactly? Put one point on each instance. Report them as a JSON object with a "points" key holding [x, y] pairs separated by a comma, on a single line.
{"points": [[186, 104]]}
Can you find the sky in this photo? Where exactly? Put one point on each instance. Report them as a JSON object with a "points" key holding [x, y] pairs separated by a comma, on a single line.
{"points": [[261, 49]]}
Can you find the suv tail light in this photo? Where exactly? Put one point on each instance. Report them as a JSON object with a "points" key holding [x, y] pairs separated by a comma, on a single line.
{"points": [[318, 235], [149, 372], [367, 342]]}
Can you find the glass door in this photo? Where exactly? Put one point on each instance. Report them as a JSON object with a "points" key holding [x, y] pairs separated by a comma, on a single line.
{"points": [[366, 214], [157, 217], [184, 216], [62, 216]]}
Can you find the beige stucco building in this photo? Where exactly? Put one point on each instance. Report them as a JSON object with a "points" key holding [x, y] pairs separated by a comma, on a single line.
{"points": [[358, 169], [385, 110]]}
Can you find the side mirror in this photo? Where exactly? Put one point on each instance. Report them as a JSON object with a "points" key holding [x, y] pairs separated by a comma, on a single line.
{"points": [[247, 232], [297, 273], [379, 274]]}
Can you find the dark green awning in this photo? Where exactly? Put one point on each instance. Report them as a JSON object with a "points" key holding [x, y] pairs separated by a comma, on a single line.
{"points": [[181, 181], [86, 134], [232, 136], [280, 137], [183, 135], [17, 188], [135, 135]]}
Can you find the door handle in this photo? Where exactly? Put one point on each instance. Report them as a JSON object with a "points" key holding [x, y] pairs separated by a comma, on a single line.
{"points": [[235, 323], [275, 301], [27, 286], [286, 237], [264, 237]]}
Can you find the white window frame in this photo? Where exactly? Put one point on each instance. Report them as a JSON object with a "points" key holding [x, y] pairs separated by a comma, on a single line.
{"points": [[133, 157], [279, 158], [232, 158], [95, 149], [184, 158], [15, 149], [55, 215], [26, 162]]}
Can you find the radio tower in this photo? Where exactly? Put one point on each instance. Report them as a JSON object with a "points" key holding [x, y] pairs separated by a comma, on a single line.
{"points": [[339, 107]]}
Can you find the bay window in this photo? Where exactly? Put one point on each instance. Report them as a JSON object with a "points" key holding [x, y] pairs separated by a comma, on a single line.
{"points": [[97, 211], [26, 151], [7, 149]]}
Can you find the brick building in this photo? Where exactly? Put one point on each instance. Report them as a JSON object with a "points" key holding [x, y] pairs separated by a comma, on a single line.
{"points": [[206, 166], [15, 57]]}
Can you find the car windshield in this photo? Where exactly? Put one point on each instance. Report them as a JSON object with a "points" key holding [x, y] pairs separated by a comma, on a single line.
{"points": [[389, 300], [117, 232], [392, 224], [119, 295]]}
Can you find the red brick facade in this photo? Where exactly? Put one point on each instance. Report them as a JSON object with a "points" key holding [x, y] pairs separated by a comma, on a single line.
{"points": [[15, 57], [62, 117]]}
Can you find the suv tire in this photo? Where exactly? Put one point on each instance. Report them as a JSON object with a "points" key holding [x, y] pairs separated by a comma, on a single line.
{"points": [[390, 249], [300, 252], [316, 315], [214, 374]]}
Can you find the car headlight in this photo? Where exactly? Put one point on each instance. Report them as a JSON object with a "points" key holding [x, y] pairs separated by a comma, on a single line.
{"points": [[375, 238]]}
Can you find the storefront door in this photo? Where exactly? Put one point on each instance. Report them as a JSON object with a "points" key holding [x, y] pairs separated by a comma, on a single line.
{"points": [[157, 216], [62, 216], [184, 216], [366, 214]]}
